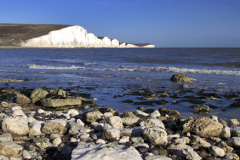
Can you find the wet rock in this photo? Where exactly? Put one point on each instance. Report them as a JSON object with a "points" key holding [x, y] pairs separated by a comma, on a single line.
{"points": [[170, 112], [104, 110], [201, 109], [10, 149], [43, 143], [182, 78], [92, 116], [10, 80], [51, 127], [94, 152], [155, 135], [152, 122], [233, 122], [129, 121], [22, 99], [235, 104], [203, 126], [15, 125], [61, 102], [224, 123], [128, 101], [140, 108], [38, 94], [114, 121]]}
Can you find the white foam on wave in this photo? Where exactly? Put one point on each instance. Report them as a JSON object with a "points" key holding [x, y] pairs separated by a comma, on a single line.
{"points": [[177, 70], [35, 66]]}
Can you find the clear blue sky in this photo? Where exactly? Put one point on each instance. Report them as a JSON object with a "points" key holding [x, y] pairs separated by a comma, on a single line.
{"points": [[165, 23]]}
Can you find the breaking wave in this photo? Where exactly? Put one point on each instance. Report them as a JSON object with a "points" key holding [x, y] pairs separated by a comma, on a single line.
{"points": [[35, 66]]}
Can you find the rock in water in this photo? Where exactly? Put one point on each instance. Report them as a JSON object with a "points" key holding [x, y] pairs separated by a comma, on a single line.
{"points": [[38, 94], [15, 125], [170, 112], [104, 151], [182, 78], [10, 149], [61, 102], [203, 126]]}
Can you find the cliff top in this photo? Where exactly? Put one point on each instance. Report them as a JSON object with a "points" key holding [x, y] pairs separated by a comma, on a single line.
{"points": [[13, 34]]}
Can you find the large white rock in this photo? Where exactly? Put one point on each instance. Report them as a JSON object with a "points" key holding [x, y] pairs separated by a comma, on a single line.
{"points": [[15, 125], [114, 121], [217, 151], [111, 133], [35, 128], [104, 152], [156, 135], [234, 141], [130, 120], [10, 149], [153, 122]]}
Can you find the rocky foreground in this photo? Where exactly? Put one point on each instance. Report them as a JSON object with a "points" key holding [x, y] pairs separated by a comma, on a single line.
{"points": [[34, 128]]}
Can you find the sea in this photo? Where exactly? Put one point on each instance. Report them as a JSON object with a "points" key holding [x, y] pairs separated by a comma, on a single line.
{"points": [[105, 73]]}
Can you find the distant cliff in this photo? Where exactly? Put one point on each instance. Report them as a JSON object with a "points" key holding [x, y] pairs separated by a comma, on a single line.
{"points": [[59, 36]]}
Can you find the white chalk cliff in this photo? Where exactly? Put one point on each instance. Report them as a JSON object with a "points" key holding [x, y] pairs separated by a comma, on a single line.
{"points": [[76, 37]]}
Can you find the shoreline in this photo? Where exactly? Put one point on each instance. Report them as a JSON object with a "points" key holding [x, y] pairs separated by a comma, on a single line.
{"points": [[85, 126]]}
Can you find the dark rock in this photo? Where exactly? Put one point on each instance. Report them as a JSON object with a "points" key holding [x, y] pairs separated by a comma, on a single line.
{"points": [[182, 78], [170, 112], [161, 102], [142, 149], [128, 101]]}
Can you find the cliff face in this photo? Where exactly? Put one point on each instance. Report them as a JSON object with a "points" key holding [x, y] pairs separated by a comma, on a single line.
{"points": [[75, 37]]}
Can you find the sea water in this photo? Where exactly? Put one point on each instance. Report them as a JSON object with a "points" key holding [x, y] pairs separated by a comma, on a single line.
{"points": [[107, 72]]}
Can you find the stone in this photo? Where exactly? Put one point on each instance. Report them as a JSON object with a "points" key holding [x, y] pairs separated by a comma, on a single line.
{"points": [[224, 123], [141, 113], [22, 99], [203, 126], [19, 112], [104, 110], [199, 141], [26, 155], [16, 108], [75, 129], [2, 157], [231, 156], [190, 154], [100, 141], [114, 121], [201, 109], [38, 94], [108, 114], [48, 102], [136, 145], [43, 143], [137, 131], [73, 112], [155, 114], [226, 132], [10, 149], [137, 139], [15, 125], [57, 142], [177, 149], [92, 116], [157, 157], [10, 80], [111, 133], [234, 142], [155, 135], [152, 122], [52, 127], [170, 112], [128, 114], [4, 104], [6, 137], [80, 123], [124, 139], [104, 152], [126, 132], [129, 121], [233, 122], [35, 128], [182, 78], [217, 151]]}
